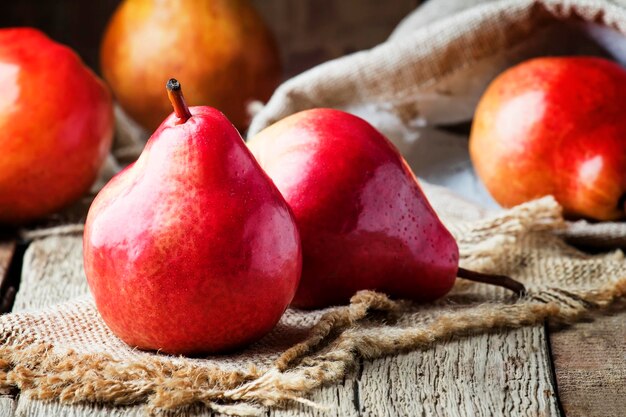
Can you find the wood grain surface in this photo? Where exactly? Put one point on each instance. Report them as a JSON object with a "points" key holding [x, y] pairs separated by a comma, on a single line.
{"points": [[505, 373], [590, 364], [7, 406]]}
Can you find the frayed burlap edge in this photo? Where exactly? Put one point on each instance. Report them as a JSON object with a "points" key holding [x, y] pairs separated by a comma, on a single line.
{"points": [[40, 372]]}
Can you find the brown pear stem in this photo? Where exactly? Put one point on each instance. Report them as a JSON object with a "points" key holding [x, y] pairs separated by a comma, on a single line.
{"points": [[175, 94], [499, 280]]}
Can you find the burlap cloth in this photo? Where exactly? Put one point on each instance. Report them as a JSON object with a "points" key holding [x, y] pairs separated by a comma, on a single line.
{"points": [[423, 80]]}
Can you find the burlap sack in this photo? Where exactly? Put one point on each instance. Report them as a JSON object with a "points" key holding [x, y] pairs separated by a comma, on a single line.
{"points": [[425, 77]]}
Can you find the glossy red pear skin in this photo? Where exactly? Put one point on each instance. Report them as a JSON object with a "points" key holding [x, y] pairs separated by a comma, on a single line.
{"points": [[192, 249], [364, 221], [56, 119], [555, 126]]}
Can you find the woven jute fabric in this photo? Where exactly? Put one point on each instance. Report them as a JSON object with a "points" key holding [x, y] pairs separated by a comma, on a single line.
{"points": [[426, 76]]}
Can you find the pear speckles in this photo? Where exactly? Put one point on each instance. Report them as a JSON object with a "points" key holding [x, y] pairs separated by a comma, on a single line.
{"points": [[194, 243]]}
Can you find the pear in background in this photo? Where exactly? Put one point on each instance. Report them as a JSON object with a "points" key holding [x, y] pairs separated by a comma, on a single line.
{"points": [[220, 49]]}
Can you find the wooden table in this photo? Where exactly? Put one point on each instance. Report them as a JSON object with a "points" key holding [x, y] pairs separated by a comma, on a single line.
{"points": [[533, 371]]}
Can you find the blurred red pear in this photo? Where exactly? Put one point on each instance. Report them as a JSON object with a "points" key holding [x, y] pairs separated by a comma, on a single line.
{"points": [[555, 126], [56, 125]]}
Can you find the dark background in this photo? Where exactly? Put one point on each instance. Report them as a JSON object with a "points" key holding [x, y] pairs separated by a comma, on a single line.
{"points": [[308, 31]]}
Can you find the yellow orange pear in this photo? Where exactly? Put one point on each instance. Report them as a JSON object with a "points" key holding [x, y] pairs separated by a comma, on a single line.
{"points": [[220, 49]]}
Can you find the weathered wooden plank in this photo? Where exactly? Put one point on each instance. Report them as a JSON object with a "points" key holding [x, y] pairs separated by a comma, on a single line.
{"points": [[494, 374], [52, 273], [337, 400], [506, 373], [590, 366], [7, 250], [31, 408], [7, 406]]}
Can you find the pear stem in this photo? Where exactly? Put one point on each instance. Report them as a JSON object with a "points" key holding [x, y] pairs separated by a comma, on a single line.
{"points": [[175, 94], [499, 280]]}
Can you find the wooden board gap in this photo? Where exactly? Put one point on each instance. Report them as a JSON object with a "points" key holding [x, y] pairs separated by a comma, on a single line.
{"points": [[552, 369], [11, 282]]}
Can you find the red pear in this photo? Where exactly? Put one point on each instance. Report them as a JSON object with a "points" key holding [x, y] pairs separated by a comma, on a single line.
{"points": [[56, 123], [555, 126], [363, 219], [192, 249]]}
